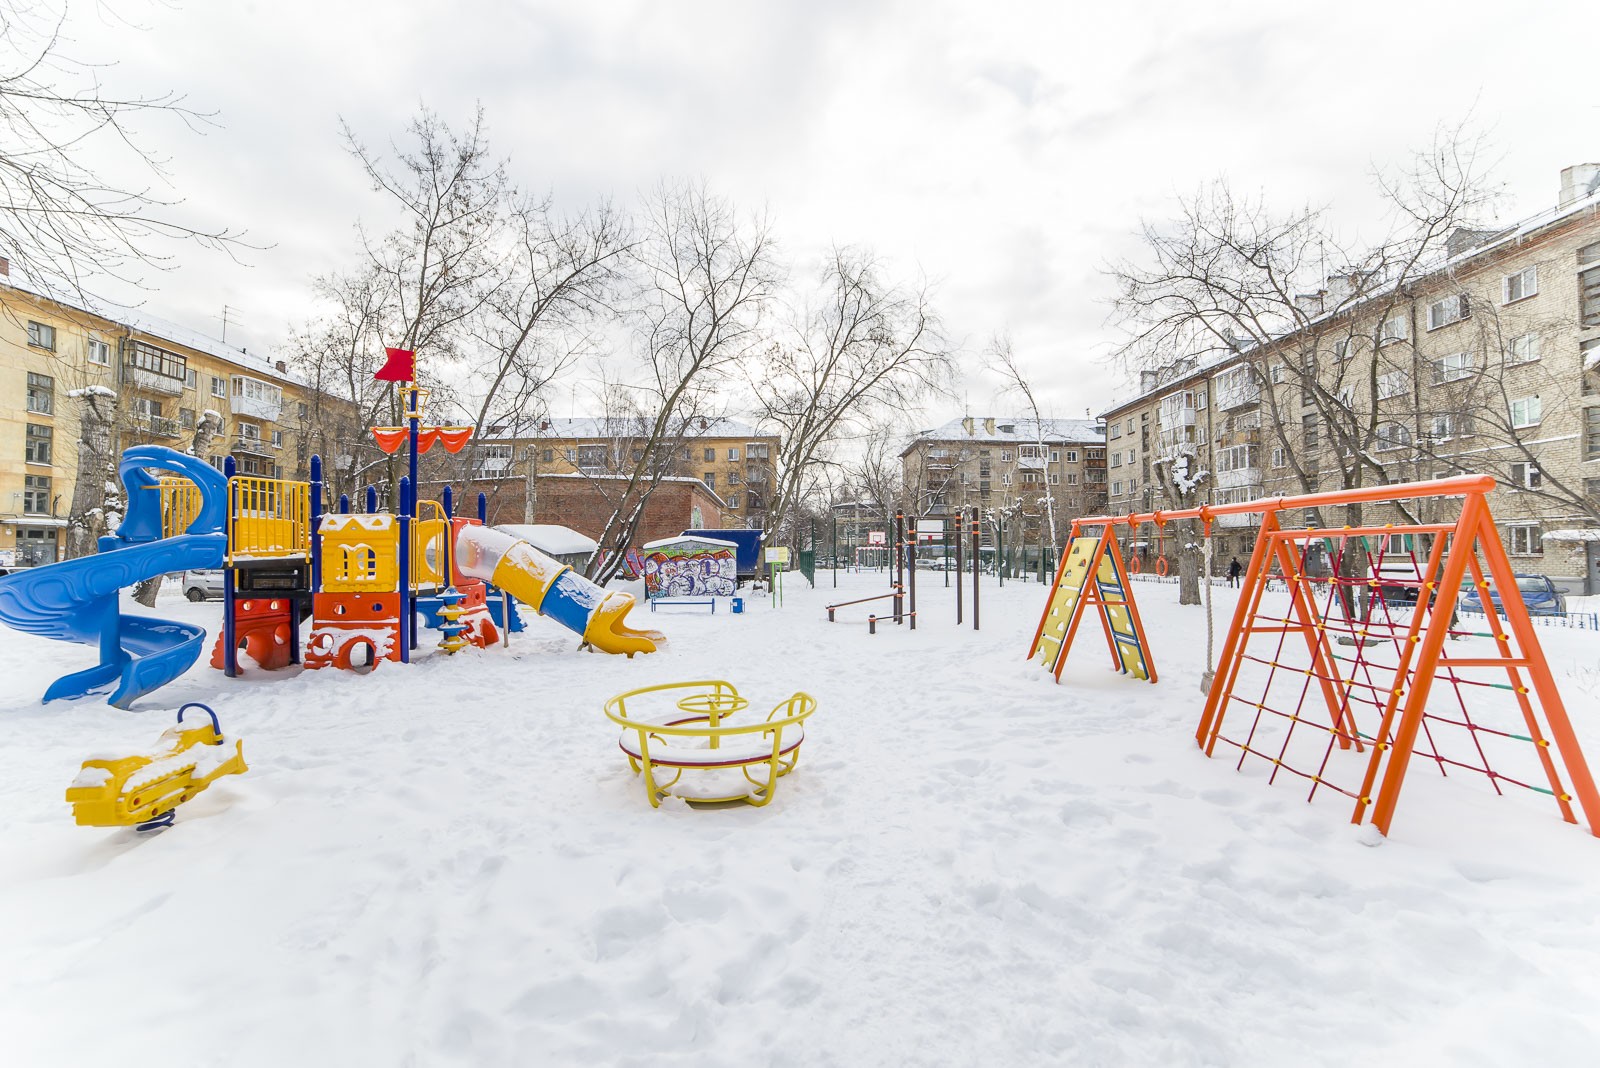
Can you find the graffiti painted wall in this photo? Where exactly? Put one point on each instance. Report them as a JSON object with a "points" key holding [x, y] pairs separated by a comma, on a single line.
{"points": [[689, 568]]}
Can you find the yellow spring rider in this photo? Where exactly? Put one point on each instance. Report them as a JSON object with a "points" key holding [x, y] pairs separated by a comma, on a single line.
{"points": [[143, 790], [692, 734]]}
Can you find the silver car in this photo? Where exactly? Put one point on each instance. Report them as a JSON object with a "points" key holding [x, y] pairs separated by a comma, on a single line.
{"points": [[202, 585]]}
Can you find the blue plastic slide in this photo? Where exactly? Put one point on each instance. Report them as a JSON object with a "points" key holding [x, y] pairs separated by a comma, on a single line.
{"points": [[77, 600]]}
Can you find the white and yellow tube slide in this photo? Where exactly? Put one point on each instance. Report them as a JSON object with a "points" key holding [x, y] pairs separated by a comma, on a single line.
{"points": [[553, 589]]}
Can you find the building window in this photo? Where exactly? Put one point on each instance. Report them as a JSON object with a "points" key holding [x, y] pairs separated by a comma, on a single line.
{"points": [[1005, 480], [1393, 384], [1055, 479], [186, 418], [758, 451], [1524, 539], [1450, 425], [1030, 452], [1526, 475], [41, 335], [1525, 412], [1447, 311], [1395, 328], [1072, 456], [733, 454], [711, 479], [1115, 432], [572, 456], [711, 456], [1116, 458], [158, 361], [277, 439], [1237, 458], [1116, 488], [733, 500], [99, 352], [1280, 457], [1451, 368], [1523, 349], [37, 447], [1072, 478], [1519, 286], [1344, 348], [219, 387], [1589, 297], [1055, 454], [41, 394], [190, 379], [1308, 430], [548, 456], [36, 494], [302, 411], [1005, 455], [1393, 436]]}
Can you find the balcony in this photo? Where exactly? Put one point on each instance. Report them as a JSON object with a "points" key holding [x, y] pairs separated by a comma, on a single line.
{"points": [[256, 398], [1240, 478], [157, 425], [152, 381], [252, 446], [1030, 463]]}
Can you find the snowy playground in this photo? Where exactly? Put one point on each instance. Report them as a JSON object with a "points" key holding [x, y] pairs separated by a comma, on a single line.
{"points": [[450, 862]]}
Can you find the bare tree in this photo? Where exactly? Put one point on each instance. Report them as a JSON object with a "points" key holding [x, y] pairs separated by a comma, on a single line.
{"points": [[864, 347], [710, 279], [1003, 358], [63, 220]]}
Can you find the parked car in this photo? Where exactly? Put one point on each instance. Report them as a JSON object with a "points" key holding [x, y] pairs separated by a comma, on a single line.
{"points": [[202, 585], [1542, 596]]}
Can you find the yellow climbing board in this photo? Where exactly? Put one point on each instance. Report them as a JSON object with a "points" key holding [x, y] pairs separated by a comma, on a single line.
{"points": [[1052, 638], [1107, 592]]}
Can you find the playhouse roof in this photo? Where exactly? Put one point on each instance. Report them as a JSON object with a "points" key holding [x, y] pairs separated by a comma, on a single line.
{"points": [[690, 539], [552, 538]]}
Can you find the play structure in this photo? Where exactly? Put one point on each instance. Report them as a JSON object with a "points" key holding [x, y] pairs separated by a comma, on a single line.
{"points": [[683, 726], [361, 579], [1334, 671], [1091, 579], [143, 790]]}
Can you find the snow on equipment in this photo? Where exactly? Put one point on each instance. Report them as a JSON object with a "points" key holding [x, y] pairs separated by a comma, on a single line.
{"points": [[728, 761], [143, 790]]}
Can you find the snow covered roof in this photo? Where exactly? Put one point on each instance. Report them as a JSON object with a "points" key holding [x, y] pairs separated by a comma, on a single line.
{"points": [[584, 427], [1014, 429], [690, 539], [1580, 534], [154, 326], [552, 538]]}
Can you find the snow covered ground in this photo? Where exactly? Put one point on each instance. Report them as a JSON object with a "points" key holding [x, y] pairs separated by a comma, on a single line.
{"points": [[450, 863]]}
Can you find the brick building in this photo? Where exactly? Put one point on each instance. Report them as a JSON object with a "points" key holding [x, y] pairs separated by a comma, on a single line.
{"points": [[734, 460], [586, 502]]}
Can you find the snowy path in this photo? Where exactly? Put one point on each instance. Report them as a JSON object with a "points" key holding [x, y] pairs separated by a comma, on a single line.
{"points": [[451, 864]]}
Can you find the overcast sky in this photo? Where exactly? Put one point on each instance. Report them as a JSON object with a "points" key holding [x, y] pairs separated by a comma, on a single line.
{"points": [[1006, 150]]}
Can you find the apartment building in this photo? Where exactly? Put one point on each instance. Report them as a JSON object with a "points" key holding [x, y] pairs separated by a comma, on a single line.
{"points": [[733, 459], [1009, 465], [1489, 363], [142, 381]]}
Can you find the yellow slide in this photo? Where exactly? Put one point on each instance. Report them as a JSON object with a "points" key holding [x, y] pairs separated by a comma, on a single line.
{"points": [[553, 589]]}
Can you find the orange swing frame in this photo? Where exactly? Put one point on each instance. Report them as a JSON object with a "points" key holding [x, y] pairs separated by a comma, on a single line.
{"points": [[1470, 546]]}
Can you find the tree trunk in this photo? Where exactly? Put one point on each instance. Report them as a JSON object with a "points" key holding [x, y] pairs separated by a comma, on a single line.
{"points": [[1190, 555]]}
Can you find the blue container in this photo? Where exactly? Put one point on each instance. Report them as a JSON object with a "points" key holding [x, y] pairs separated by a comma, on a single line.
{"points": [[738, 605]]}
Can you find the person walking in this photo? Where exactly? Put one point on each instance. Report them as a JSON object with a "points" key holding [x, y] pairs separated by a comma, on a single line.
{"points": [[1234, 567]]}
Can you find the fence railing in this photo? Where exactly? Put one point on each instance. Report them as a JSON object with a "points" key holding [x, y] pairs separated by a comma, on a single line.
{"points": [[268, 517]]}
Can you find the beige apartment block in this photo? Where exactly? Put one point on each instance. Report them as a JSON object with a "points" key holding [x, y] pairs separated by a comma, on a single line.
{"points": [[1489, 363], [734, 459], [1008, 465], [156, 379]]}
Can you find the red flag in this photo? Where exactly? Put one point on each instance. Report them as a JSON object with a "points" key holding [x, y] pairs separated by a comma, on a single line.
{"points": [[400, 367]]}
